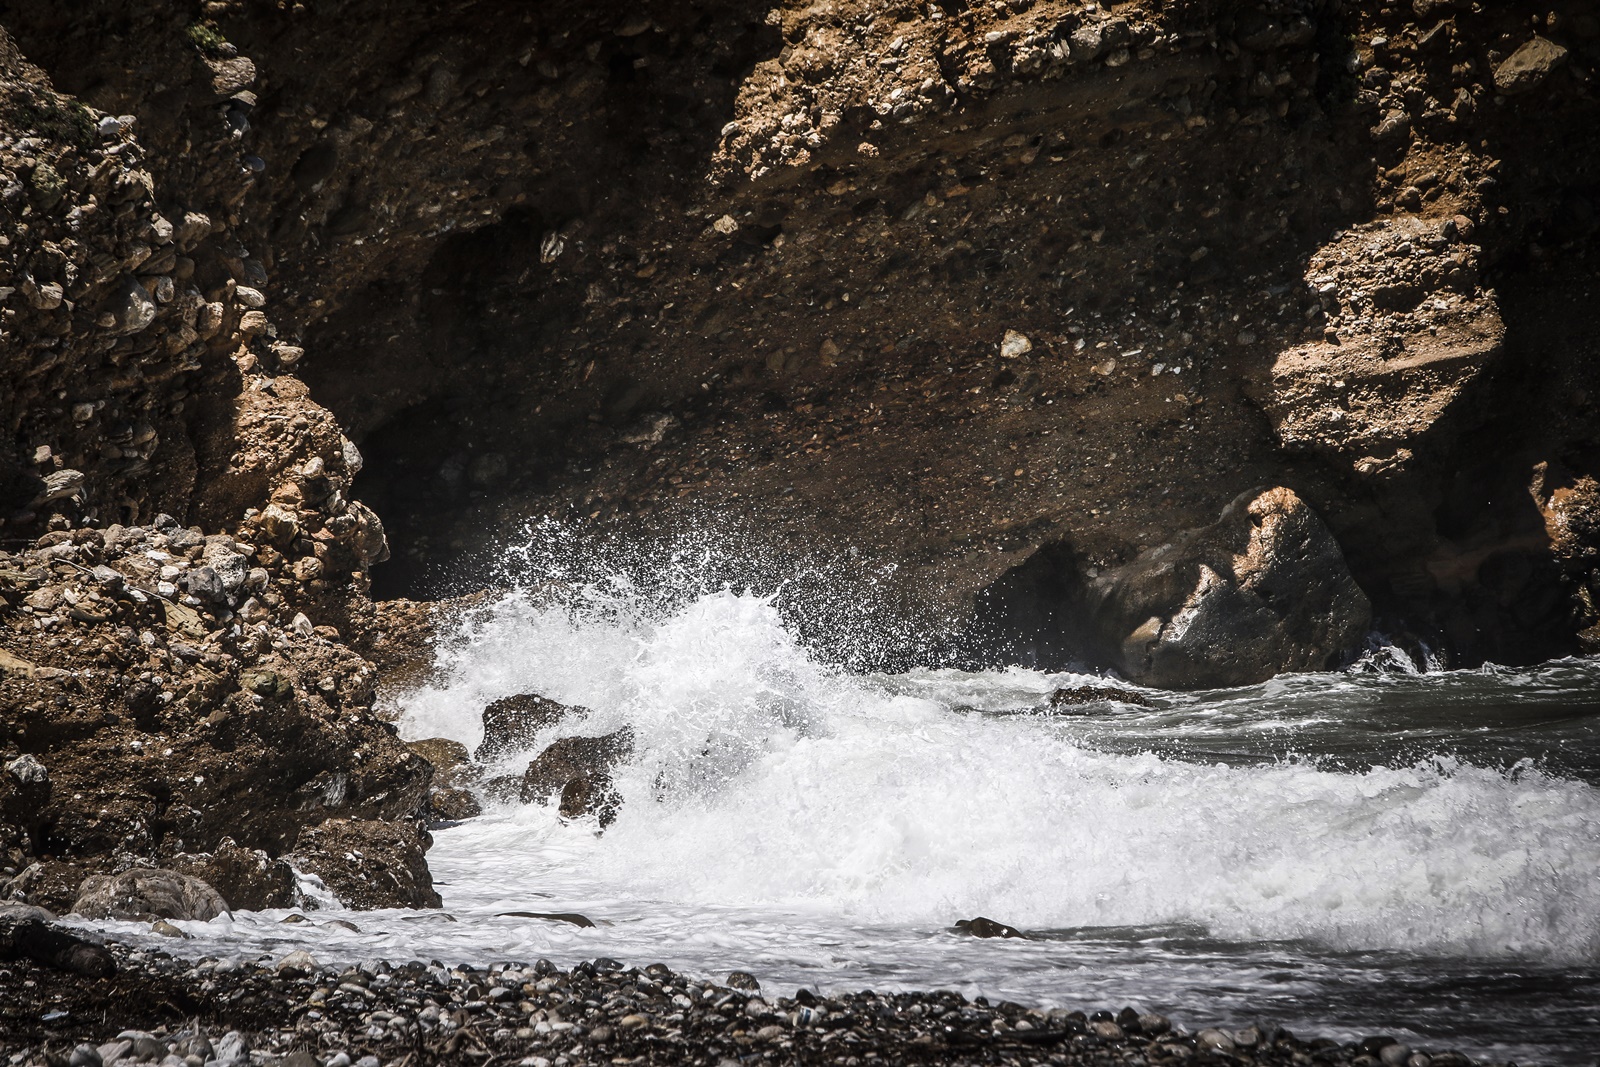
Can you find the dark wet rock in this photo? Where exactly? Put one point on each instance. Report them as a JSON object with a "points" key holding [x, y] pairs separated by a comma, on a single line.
{"points": [[744, 980], [1094, 694], [451, 804], [368, 864], [981, 927], [54, 947], [452, 763], [1263, 590], [579, 769], [550, 916], [449, 800], [511, 724], [247, 878], [145, 895]]}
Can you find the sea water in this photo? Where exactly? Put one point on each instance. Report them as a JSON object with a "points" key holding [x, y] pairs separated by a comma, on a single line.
{"points": [[1382, 850]]}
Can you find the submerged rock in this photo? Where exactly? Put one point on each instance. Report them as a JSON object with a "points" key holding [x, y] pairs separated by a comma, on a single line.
{"points": [[145, 895], [981, 927], [368, 863], [1093, 694], [1263, 590]]}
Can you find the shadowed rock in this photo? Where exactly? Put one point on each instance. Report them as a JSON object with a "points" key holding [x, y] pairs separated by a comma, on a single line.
{"points": [[1263, 590], [981, 927], [369, 864], [579, 768]]}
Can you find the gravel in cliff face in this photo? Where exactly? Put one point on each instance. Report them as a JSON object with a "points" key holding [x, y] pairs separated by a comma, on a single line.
{"points": [[157, 705], [296, 1013]]}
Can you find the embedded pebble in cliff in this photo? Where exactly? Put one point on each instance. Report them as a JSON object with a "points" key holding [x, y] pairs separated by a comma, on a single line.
{"points": [[129, 309], [1015, 345], [1528, 67]]}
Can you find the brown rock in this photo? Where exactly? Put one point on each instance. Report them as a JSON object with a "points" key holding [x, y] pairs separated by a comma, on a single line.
{"points": [[369, 864], [451, 761], [1092, 694], [145, 895], [510, 724], [1263, 590]]}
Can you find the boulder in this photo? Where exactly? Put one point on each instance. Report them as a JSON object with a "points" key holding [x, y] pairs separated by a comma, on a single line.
{"points": [[369, 864], [148, 894], [1263, 590], [510, 724], [579, 770], [247, 878]]}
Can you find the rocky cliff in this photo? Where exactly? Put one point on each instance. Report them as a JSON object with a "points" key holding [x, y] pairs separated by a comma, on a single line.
{"points": [[994, 303]]}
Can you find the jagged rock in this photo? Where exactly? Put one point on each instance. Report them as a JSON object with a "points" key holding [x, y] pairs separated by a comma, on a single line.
{"points": [[1261, 591], [248, 878], [511, 723], [579, 769], [369, 864], [144, 895]]}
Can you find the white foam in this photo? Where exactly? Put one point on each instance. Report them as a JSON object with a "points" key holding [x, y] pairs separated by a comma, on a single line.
{"points": [[764, 780]]}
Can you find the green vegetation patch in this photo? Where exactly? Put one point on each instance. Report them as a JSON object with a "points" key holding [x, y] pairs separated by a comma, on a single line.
{"points": [[205, 36], [60, 119]]}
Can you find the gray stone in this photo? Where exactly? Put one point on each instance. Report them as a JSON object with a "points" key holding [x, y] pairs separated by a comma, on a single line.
{"points": [[145, 895], [28, 771], [130, 307], [1263, 590]]}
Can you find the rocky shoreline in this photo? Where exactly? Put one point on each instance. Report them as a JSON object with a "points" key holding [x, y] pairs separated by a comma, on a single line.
{"points": [[118, 1004]]}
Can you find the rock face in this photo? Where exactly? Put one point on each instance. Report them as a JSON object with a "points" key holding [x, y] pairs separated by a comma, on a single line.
{"points": [[450, 799], [369, 864], [144, 895], [1264, 589], [579, 770]]}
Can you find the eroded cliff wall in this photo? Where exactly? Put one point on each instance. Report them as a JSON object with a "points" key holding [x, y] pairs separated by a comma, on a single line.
{"points": [[1000, 295]]}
